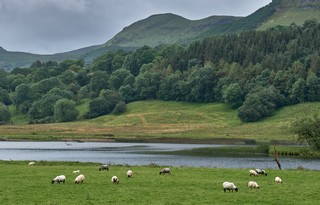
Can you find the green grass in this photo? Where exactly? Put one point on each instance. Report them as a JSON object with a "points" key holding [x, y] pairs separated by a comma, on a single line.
{"points": [[23, 184], [153, 120], [287, 17]]}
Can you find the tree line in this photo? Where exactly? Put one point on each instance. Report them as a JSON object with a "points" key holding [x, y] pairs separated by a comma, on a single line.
{"points": [[255, 72]]}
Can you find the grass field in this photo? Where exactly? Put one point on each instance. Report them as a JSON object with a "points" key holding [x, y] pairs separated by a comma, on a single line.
{"points": [[163, 120], [23, 184]]}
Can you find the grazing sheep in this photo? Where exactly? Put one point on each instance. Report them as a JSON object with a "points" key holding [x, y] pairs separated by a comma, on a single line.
{"points": [[129, 173], [278, 180], [165, 171], [261, 171], [253, 172], [59, 179], [79, 179], [115, 180], [104, 167], [253, 184], [229, 186], [32, 163], [76, 171]]}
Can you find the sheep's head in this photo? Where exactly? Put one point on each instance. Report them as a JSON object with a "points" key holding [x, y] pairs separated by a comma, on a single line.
{"points": [[236, 189]]}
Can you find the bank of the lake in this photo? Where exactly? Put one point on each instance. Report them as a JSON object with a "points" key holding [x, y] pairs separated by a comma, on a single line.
{"points": [[164, 154], [23, 184]]}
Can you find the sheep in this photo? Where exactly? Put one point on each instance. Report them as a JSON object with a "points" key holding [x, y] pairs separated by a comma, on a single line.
{"points": [[32, 163], [58, 179], [229, 186], [76, 171], [253, 172], [104, 167], [261, 171], [165, 171], [115, 180], [79, 179], [129, 173], [253, 184], [278, 180]]}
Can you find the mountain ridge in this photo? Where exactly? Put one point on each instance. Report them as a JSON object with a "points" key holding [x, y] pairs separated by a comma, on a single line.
{"points": [[170, 28]]}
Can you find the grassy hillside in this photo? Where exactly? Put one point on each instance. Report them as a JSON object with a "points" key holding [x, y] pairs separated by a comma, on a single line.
{"points": [[165, 29], [293, 11], [154, 120], [23, 184]]}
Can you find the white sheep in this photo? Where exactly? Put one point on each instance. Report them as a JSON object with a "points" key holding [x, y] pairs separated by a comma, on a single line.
{"points": [[115, 180], [76, 171], [58, 179], [253, 184], [261, 171], [104, 167], [32, 163], [79, 179], [278, 180], [229, 186], [165, 171], [253, 172], [129, 173]]}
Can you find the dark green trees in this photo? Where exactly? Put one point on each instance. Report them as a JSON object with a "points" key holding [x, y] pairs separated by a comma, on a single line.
{"points": [[65, 111], [5, 115], [307, 129]]}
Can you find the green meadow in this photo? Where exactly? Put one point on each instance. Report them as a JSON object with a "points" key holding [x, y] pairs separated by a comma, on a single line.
{"points": [[153, 120], [23, 184]]}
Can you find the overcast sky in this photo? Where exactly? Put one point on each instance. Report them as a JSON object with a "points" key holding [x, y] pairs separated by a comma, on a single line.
{"points": [[54, 26]]}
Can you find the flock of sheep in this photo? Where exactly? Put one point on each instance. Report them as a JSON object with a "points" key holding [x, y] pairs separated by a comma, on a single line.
{"points": [[251, 184], [230, 186], [80, 178]]}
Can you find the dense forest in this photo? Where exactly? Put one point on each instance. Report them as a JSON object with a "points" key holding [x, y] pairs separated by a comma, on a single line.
{"points": [[255, 72]]}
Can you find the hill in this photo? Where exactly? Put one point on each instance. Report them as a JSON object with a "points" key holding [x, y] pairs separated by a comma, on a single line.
{"points": [[170, 29], [169, 121], [166, 29]]}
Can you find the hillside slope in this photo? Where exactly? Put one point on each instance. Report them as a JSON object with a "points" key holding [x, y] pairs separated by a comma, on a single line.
{"points": [[287, 12], [167, 120], [165, 29]]}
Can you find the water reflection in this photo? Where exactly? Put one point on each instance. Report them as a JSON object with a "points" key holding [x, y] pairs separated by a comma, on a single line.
{"points": [[130, 153]]}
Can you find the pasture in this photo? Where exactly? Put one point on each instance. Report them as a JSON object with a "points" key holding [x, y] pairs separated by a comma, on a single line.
{"points": [[23, 184]]}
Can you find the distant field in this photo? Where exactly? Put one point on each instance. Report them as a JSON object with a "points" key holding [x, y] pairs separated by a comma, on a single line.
{"points": [[23, 184], [154, 120]]}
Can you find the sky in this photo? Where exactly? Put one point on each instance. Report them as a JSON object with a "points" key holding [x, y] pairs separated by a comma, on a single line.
{"points": [[55, 26]]}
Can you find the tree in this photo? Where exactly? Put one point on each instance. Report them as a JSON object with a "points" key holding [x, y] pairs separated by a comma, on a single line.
{"points": [[298, 91], [112, 97], [307, 128], [65, 111], [98, 107], [98, 81], [147, 85], [117, 78], [5, 115], [313, 88], [23, 95], [4, 97], [120, 108], [128, 93], [260, 104], [233, 95]]}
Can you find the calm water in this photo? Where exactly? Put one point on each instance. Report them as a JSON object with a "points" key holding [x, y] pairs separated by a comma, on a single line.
{"points": [[130, 153]]}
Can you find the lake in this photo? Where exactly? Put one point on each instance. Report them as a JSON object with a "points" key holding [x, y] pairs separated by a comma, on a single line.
{"points": [[132, 154]]}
